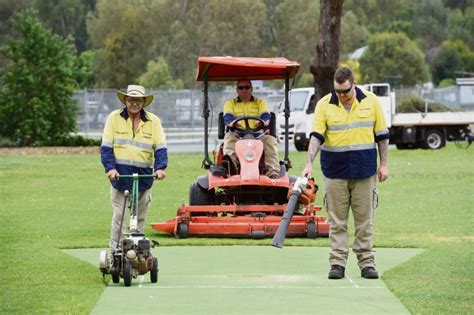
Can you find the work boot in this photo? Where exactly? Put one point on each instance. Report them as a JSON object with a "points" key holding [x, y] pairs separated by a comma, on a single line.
{"points": [[273, 175], [369, 273], [336, 272]]}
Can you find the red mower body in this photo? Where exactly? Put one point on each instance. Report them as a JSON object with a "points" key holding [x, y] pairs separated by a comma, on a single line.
{"points": [[243, 202]]}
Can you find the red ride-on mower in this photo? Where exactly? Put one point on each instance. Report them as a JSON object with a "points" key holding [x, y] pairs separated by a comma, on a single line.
{"points": [[240, 200]]}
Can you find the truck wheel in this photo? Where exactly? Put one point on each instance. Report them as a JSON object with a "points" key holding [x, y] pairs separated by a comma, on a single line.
{"points": [[405, 146], [154, 271], [301, 146], [434, 139], [127, 273]]}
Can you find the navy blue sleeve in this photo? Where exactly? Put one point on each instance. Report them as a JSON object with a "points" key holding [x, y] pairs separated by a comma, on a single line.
{"points": [[265, 116], [228, 118], [317, 135], [383, 136], [107, 158], [161, 159]]}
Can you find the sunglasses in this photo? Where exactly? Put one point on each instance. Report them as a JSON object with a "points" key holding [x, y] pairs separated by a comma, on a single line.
{"points": [[345, 91], [244, 87], [135, 100]]}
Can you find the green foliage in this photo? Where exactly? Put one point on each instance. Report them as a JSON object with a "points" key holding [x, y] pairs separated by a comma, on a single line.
{"points": [[306, 79], [393, 54], [122, 33], [452, 58], [295, 31], [354, 34], [431, 28], [66, 17], [446, 82], [85, 77], [38, 84], [158, 76], [69, 141], [461, 26], [413, 104]]}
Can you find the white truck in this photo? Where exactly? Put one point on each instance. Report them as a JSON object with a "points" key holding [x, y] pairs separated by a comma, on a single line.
{"points": [[428, 130]]}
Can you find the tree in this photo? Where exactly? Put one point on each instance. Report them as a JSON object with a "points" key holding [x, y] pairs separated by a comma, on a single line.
{"points": [[429, 23], [295, 21], [452, 58], [461, 26], [353, 34], [123, 34], [158, 76], [324, 64], [67, 18], [393, 54], [38, 84], [85, 69]]}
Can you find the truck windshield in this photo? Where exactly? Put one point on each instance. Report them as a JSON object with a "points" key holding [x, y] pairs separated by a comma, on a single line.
{"points": [[298, 100]]}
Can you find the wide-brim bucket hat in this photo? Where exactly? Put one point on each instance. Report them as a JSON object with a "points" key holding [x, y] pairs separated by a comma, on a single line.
{"points": [[135, 91]]}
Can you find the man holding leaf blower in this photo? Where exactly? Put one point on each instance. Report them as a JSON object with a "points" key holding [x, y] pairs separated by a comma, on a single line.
{"points": [[347, 125]]}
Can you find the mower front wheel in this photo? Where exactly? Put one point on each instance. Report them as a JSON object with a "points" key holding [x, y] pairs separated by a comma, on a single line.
{"points": [[311, 231], [183, 230], [115, 278], [127, 273], [154, 271]]}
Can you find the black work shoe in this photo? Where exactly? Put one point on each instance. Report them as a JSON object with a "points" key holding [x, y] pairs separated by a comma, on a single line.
{"points": [[336, 272], [369, 273]]}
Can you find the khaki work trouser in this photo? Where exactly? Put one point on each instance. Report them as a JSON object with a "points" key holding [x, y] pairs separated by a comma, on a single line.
{"points": [[117, 198], [361, 196], [270, 148]]}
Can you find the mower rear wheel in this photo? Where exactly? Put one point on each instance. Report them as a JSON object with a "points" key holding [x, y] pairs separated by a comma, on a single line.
{"points": [[199, 196], [154, 271], [311, 230], [183, 230], [127, 273]]}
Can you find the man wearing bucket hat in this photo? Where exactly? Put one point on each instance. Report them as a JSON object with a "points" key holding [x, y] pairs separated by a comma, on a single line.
{"points": [[133, 142]]}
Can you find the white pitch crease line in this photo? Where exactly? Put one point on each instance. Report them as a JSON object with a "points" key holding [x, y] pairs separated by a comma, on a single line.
{"points": [[256, 287], [352, 282]]}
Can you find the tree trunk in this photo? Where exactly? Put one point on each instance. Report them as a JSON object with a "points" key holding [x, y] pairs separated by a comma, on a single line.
{"points": [[325, 63]]}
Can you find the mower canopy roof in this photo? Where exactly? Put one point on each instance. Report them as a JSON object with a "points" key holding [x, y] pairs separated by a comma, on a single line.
{"points": [[233, 68]]}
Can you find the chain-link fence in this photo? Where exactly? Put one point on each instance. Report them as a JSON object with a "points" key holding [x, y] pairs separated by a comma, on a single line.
{"points": [[456, 98], [180, 111]]}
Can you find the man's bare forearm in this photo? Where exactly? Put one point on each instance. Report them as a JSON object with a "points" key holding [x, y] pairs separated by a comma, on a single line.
{"points": [[313, 149], [383, 151]]}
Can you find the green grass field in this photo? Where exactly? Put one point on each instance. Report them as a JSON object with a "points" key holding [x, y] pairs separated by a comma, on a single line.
{"points": [[53, 202]]}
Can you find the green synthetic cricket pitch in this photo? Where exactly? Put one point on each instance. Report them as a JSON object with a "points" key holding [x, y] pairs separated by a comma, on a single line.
{"points": [[250, 280], [55, 217]]}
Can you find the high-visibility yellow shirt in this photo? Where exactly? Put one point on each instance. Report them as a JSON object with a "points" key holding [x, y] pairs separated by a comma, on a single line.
{"points": [[133, 152], [256, 107], [348, 139]]}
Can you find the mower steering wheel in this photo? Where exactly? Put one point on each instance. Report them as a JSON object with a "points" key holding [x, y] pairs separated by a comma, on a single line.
{"points": [[246, 120]]}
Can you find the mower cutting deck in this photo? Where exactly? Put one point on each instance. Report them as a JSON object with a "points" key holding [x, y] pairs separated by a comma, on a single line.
{"points": [[240, 200]]}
